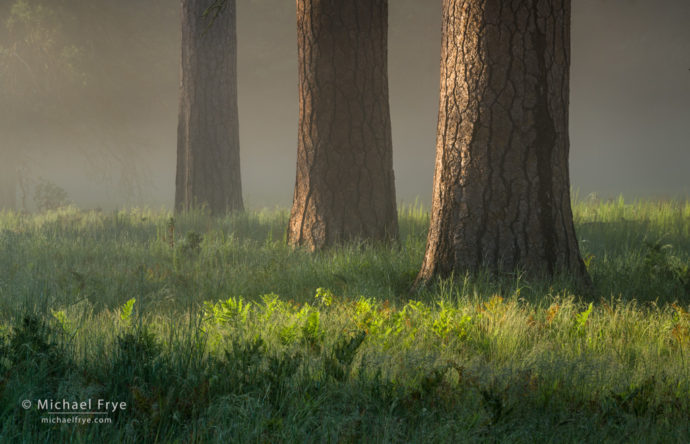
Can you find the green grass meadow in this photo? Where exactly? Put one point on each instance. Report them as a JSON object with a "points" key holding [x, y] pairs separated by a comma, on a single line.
{"points": [[214, 330]]}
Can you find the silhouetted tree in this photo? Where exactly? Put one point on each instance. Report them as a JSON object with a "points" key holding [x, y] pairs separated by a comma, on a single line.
{"points": [[71, 81], [208, 151], [501, 196], [37, 69], [345, 186], [8, 184]]}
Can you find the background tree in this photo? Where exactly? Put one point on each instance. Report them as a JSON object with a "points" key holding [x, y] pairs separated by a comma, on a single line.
{"points": [[78, 79], [208, 146], [345, 186], [501, 195], [38, 70]]}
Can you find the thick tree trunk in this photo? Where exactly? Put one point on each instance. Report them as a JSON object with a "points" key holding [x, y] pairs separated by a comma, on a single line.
{"points": [[208, 147], [345, 187], [501, 195]]}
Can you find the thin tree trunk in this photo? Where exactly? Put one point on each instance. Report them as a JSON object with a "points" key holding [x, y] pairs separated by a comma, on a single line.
{"points": [[8, 185], [208, 151], [501, 195], [345, 186]]}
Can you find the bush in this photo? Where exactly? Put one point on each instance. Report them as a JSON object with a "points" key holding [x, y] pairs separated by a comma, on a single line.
{"points": [[49, 196]]}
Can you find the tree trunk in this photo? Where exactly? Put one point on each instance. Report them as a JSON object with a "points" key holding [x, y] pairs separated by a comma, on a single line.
{"points": [[501, 196], [208, 147], [345, 187]]}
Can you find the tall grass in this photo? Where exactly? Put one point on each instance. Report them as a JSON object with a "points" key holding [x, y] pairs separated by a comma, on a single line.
{"points": [[212, 329]]}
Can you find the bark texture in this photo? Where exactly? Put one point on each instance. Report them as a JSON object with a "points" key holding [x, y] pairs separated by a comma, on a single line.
{"points": [[345, 186], [501, 195], [208, 146]]}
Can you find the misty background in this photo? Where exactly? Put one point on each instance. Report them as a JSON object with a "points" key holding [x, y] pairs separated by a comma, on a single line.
{"points": [[89, 90]]}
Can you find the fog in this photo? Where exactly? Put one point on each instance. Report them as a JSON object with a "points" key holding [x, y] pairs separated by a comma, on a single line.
{"points": [[108, 137]]}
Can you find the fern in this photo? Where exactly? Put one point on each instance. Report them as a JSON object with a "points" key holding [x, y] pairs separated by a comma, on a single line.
{"points": [[581, 318], [126, 311]]}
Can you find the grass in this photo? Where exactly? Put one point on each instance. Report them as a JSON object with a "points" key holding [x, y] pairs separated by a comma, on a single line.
{"points": [[212, 329]]}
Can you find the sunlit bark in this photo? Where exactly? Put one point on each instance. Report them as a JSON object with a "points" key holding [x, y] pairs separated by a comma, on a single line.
{"points": [[345, 187], [501, 197]]}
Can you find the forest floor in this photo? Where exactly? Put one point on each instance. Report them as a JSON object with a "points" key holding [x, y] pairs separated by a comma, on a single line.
{"points": [[212, 329]]}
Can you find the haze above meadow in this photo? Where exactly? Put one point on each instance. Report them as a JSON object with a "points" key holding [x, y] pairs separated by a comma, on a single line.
{"points": [[629, 105]]}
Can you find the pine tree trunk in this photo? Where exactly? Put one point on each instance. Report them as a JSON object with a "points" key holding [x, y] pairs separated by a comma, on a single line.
{"points": [[501, 196], [345, 187], [208, 148]]}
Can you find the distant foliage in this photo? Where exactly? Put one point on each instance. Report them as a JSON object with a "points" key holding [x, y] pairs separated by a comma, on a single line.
{"points": [[49, 196], [661, 265], [191, 244]]}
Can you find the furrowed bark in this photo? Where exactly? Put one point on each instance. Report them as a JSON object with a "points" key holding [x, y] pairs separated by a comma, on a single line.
{"points": [[344, 189], [501, 197]]}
